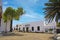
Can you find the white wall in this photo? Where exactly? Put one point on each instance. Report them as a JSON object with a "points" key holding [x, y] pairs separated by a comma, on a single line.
{"points": [[34, 24], [42, 25], [3, 25]]}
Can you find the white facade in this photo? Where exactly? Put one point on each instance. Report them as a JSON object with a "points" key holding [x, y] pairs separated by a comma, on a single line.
{"points": [[41, 24], [33, 24]]}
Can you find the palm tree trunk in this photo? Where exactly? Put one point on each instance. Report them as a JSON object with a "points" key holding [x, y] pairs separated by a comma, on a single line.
{"points": [[55, 34], [11, 26], [6, 28]]}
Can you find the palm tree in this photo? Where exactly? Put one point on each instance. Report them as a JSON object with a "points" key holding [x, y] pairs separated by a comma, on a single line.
{"points": [[11, 14], [52, 10]]}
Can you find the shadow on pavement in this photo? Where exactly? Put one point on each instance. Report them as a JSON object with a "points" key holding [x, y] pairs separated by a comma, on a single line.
{"points": [[12, 34], [52, 38]]}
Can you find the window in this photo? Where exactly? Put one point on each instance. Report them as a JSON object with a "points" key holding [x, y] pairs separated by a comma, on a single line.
{"points": [[32, 28], [38, 28]]}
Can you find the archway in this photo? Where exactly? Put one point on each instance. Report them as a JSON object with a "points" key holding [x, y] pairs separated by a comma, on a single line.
{"points": [[32, 28], [27, 29], [38, 28], [24, 29]]}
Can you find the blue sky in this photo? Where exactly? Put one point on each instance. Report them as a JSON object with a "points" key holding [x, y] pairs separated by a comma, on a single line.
{"points": [[34, 9]]}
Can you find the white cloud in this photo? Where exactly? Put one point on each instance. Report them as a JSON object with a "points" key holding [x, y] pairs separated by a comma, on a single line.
{"points": [[4, 7], [28, 15], [35, 1], [31, 14], [5, 3], [26, 3]]}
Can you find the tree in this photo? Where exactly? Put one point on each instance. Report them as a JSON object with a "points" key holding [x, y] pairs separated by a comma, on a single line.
{"points": [[52, 11], [50, 30], [58, 24], [11, 14]]}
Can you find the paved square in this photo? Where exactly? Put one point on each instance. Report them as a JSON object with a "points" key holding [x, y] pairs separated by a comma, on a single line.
{"points": [[26, 36]]}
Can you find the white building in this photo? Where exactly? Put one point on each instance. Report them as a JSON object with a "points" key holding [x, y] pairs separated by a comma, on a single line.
{"points": [[38, 26], [3, 25]]}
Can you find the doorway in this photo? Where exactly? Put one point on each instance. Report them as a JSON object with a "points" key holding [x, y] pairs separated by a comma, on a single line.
{"points": [[27, 29]]}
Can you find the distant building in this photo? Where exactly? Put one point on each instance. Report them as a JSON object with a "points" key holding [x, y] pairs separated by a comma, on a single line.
{"points": [[2, 24], [38, 26]]}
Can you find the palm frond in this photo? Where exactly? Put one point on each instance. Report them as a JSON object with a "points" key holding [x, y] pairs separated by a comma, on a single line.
{"points": [[53, 0], [53, 4]]}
